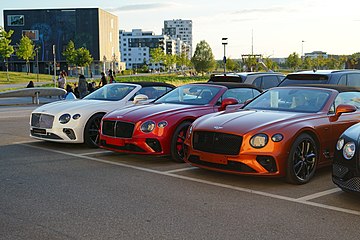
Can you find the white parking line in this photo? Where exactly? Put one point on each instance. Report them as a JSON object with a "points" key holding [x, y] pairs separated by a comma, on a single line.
{"points": [[240, 189], [181, 169], [92, 153], [319, 194]]}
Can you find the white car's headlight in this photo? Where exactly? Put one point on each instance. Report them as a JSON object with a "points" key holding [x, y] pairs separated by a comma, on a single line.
{"points": [[65, 118], [349, 150], [259, 140], [340, 144], [148, 126], [76, 116]]}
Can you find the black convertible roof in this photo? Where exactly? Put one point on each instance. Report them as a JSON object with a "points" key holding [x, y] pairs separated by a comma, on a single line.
{"points": [[339, 88]]}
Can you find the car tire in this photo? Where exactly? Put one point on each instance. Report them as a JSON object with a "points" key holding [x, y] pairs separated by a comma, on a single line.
{"points": [[91, 130], [177, 142], [302, 160]]}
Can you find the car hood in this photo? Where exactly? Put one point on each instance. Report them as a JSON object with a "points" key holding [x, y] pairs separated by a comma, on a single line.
{"points": [[139, 112], [76, 106], [244, 121]]}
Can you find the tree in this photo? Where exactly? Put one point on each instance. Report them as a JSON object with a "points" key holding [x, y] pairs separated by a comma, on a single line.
{"points": [[169, 61], [83, 58], [232, 65], [26, 51], [70, 53], [80, 57], [293, 61], [157, 55], [270, 64], [353, 60], [203, 59], [183, 61], [5, 48], [250, 63]]}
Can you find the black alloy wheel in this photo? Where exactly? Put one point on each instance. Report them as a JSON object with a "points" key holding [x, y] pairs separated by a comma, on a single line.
{"points": [[91, 131], [178, 142], [302, 160]]}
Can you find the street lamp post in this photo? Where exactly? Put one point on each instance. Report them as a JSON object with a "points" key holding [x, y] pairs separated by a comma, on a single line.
{"points": [[54, 65], [37, 63], [224, 42], [302, 49]]}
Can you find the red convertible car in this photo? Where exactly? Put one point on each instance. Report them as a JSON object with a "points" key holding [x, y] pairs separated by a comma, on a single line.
{"points": [[286, 131], [159, 128]]}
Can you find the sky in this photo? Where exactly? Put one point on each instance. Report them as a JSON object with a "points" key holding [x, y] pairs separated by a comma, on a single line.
{"points": [[273, 28]]}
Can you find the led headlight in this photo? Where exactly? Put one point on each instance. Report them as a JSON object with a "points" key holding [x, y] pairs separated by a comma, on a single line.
{"points": [[65, 118], [148, 126], [349, 150], [277, 137], [76, 116], [162, 124], [340, 144], [259, 140]]}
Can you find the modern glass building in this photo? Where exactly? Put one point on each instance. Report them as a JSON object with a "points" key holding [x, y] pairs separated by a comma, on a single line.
{"points": [[52, 29]]}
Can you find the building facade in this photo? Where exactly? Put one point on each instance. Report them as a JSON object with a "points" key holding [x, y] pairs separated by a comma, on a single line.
{"points": [[52, 29], [180, 29], [135, 48]]}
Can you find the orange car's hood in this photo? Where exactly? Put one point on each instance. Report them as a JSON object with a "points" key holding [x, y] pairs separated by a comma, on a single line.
{"points": [[244, 121]]}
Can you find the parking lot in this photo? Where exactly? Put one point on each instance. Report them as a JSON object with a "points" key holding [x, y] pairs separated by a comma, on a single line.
{"points": [[63, 191]]}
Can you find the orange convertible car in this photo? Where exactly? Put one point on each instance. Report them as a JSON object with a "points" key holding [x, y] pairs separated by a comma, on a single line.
{"points": [[286, 131]]}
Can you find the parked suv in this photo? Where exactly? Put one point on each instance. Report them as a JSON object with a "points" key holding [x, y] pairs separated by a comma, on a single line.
{"points": [[262, 80], [349, 77]]}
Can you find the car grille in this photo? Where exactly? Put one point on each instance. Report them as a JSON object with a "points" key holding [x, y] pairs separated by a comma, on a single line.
{"points": [[40, 120], [352, 184], [117, 129], [339, 170], [214, 142]]}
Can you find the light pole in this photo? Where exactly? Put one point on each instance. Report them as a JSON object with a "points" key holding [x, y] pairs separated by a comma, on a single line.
{"points": [[37, 63], [54, 65], [224, 42], [302, 49]]}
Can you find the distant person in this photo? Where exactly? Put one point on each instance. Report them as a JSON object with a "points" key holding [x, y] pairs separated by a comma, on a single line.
{"points": [[83, 91], [61, 81], [91, 87], [76, 91], [30, 84], [112, 79], [103, 80]]}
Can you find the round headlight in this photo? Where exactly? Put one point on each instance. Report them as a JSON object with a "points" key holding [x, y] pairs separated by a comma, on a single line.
{"points": [[277, 137], [340, 144], [148, 126], [162, 124], [349, 150], [259, 140], [76, 116], [65, 118]]}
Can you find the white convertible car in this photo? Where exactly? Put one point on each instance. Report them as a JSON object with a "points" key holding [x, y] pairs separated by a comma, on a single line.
{"points": [[78, 121]]}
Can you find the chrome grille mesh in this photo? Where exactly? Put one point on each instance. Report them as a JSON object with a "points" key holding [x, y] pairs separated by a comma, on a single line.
{"points": [[42, 120]]}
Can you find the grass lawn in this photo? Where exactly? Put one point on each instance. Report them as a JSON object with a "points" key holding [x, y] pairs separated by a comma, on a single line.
{"points": [[47, 80]]}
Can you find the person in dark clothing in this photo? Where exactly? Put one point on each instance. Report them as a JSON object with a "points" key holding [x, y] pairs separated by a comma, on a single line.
{"points": [[30, 84], [103, 80]]}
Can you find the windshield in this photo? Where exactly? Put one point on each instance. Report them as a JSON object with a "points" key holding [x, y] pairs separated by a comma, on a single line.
{"points": [[110, 92], [190, 94], [293, 100], [292, 79]]}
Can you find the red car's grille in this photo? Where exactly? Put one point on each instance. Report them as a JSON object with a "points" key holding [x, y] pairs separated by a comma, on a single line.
{"points": [[117, 129], [214, 142]]}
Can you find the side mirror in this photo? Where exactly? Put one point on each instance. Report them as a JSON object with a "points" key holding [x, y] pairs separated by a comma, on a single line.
{"points": [[344, 108], [226, 102], [140, 98]]}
